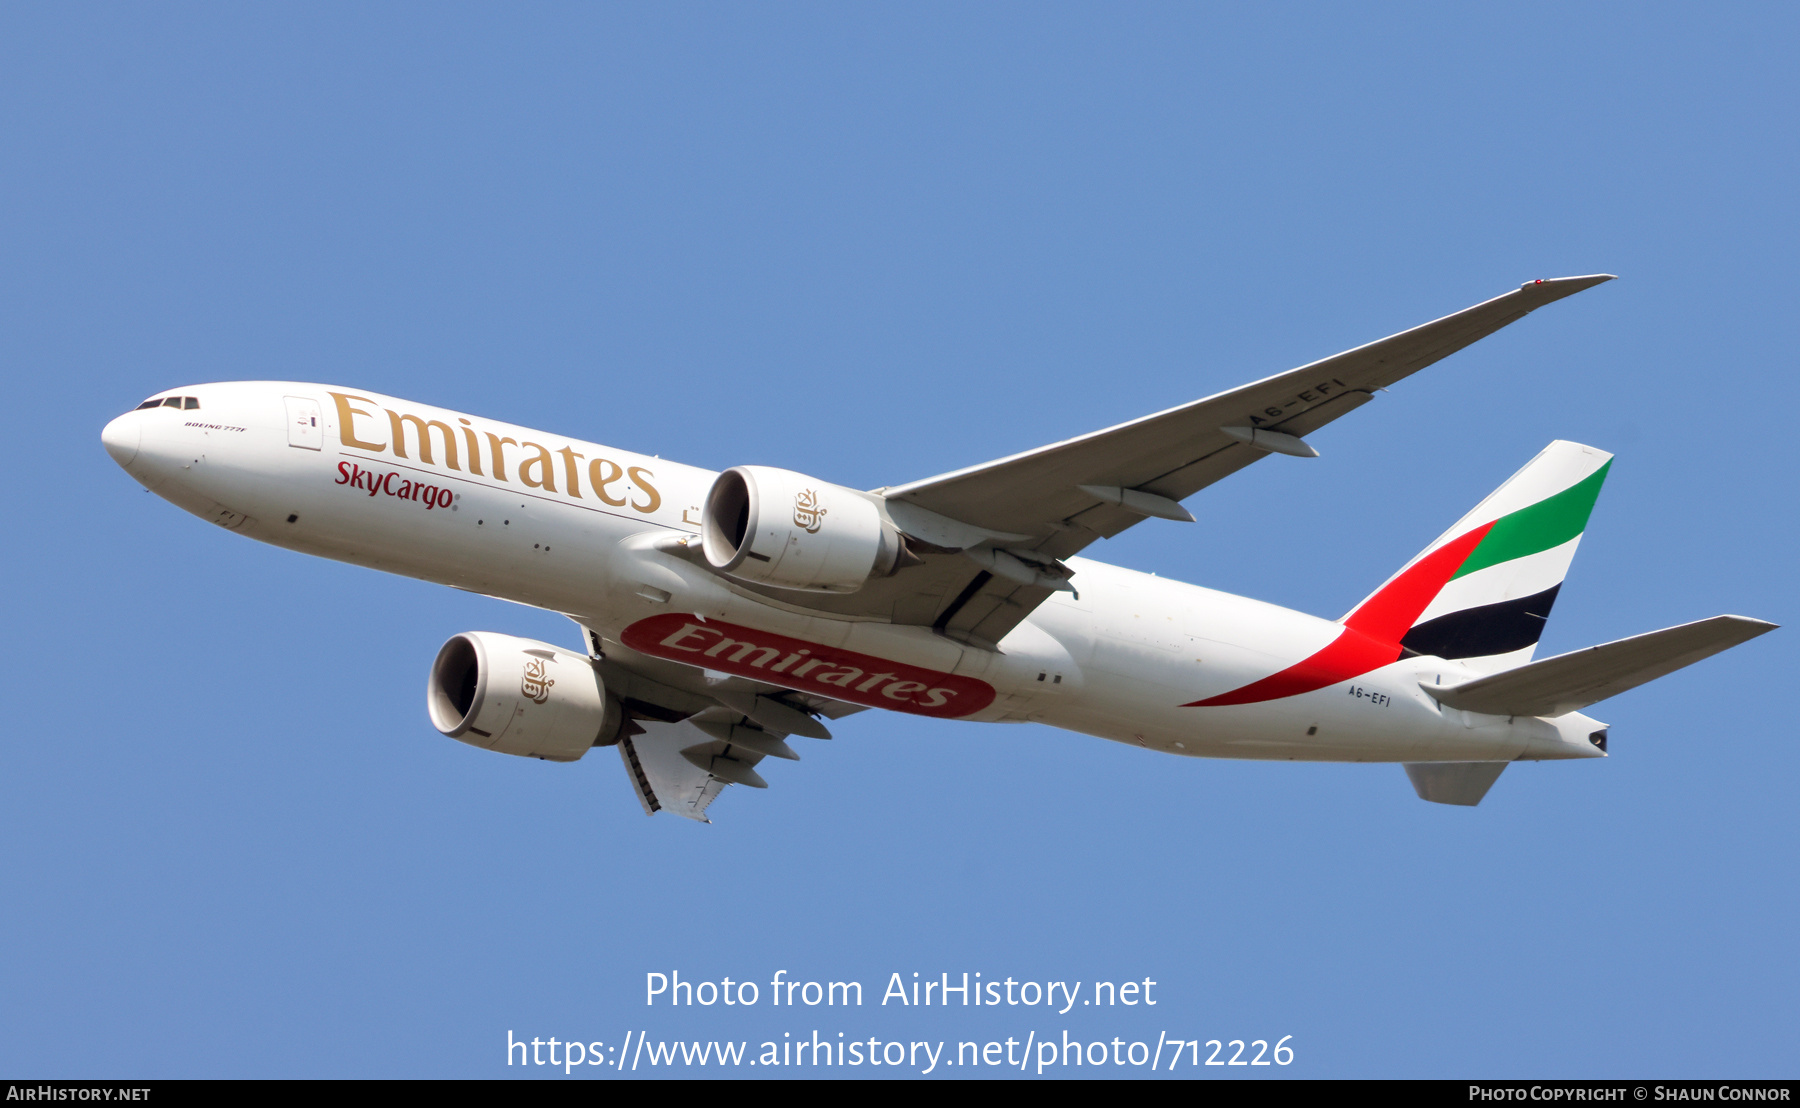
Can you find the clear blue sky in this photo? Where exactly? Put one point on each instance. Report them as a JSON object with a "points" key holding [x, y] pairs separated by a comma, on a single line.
{"points": [[872, 244]]}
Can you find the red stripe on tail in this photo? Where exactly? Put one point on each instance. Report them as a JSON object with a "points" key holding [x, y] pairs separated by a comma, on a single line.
{"points": [[1371, 635]]}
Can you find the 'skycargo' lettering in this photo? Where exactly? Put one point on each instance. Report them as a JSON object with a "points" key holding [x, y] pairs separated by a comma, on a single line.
{"points": [[393, 484]]}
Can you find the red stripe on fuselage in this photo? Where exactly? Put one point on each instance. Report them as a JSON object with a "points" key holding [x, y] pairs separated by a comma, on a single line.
{"points": [[807, 666], [1372, 633]]}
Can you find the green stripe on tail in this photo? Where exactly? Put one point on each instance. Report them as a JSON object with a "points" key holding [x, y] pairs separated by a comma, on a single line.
{"points": [[1548, 523]]}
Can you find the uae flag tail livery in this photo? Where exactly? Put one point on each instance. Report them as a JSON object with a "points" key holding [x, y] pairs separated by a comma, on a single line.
{"points": [[1478, 595]]}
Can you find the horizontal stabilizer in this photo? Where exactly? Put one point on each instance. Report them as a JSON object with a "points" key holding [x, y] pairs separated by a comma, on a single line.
{"points": [[1570, 682], [1462, 783]]}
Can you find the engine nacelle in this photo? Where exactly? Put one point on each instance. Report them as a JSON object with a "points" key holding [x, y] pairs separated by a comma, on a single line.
{"points": [[781, 528], [520, 697]]}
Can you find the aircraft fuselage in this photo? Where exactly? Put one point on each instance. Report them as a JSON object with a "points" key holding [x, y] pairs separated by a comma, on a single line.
{"points": [[609, 537]]}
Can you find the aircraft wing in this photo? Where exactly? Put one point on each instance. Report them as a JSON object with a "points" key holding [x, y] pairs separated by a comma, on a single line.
{"points": [[681, 766], [663, 780], [1176, 453], [690, 733], [1035, 506]]}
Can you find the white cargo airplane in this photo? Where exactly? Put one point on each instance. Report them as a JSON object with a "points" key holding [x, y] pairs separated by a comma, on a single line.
{"points": [[722, 613]]}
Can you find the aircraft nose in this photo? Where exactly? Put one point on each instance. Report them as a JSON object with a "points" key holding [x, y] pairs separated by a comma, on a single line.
{"points": [[120, 437]]}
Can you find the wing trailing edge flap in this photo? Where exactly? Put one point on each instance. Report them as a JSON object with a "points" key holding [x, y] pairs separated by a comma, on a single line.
{"points": [[1571, 682], [1463, 783]]}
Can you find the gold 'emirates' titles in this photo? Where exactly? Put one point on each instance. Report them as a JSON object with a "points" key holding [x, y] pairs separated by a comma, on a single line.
{"points": [[536, 469]]}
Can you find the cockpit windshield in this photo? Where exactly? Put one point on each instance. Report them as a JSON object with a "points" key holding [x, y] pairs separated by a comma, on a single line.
{"points": [[185, 403]]}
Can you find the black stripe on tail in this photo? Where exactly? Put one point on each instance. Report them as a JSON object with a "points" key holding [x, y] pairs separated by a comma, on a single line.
{"points": [[1490, 629]]}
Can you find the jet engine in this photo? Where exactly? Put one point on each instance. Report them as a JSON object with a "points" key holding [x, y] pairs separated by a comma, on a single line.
{"points": [[520, 697], [785, 529]]}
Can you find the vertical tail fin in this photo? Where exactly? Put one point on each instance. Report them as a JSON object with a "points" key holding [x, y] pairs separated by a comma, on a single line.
{"points": [[1479, 594], [1482, 591]]}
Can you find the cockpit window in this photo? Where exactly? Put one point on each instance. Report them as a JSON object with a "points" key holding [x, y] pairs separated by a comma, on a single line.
{"points": [[182, 403]]}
